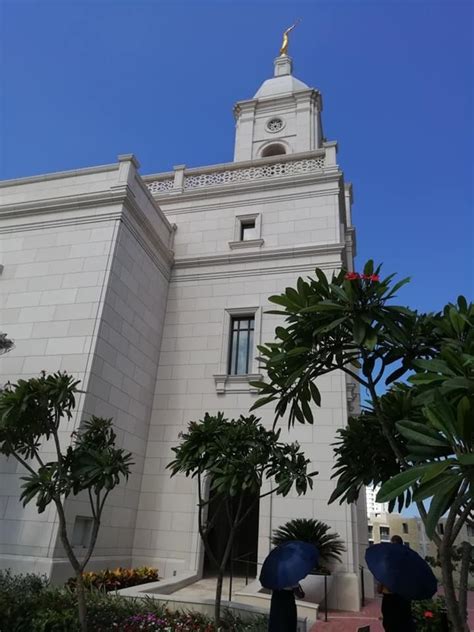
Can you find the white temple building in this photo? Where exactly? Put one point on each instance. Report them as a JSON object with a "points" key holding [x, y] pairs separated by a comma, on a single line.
{"points": [[152, 289]]}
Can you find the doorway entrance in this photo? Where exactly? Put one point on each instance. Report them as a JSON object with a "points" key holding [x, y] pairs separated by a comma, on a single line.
{"points": [[243, 558]]}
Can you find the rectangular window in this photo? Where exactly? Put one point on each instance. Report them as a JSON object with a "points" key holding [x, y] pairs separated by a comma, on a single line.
{"points": [[247, 229], [384, 534], [82, 531], [241, 344], [405, 527], [470, 531], [441, 528]]}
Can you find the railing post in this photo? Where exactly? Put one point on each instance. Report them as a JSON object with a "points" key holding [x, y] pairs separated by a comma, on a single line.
{"points": [[231, 575], [178, 184], [325, 598], [362, 585], [330, 148]]}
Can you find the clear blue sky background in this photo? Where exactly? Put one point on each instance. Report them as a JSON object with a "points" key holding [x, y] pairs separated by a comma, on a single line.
{"points": [[85, 81]]}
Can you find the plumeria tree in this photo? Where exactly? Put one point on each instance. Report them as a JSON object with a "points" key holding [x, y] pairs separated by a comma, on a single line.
{"points": [[231, 459], [417, 438], [31, 414]]}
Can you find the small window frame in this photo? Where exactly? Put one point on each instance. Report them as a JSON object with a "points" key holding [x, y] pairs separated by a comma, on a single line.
{"points": [[226, 382], [240, 222]]}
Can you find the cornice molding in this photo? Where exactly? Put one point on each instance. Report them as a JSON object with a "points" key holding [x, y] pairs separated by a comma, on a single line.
{"points": [[58, 175], [296, 268], [260, 255], [67, 203], [119, 195]]}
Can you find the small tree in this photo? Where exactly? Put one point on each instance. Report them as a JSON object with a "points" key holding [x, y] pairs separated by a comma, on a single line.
{"points": [[31, 413], [417, 440], [234, 458]]}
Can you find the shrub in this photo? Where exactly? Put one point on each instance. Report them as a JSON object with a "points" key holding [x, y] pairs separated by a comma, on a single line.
{"points": [[430, 615], [329, 544], [117, 579], [29, 604], [255, 623], [19, 597]]}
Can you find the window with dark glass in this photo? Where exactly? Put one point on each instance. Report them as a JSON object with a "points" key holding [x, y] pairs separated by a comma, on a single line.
{"points": [[441, 528], [247, 229], [405, 527], [241, 345], [385, 533]]}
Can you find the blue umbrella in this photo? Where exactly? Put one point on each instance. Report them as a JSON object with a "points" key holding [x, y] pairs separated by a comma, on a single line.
{"points": [[287, 564], [401, 570]]}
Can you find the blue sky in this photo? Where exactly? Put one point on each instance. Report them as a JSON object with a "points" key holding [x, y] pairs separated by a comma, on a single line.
{"points": [[85, 81]]}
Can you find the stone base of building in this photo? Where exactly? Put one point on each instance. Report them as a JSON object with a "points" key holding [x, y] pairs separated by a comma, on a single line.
{"points": [[345, 592]]}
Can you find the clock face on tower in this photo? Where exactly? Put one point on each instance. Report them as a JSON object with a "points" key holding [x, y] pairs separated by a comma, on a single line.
{"points": [[275, 124]]}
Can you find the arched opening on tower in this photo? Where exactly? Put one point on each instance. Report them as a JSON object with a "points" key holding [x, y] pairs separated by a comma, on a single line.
{"points": [[275, 149]]}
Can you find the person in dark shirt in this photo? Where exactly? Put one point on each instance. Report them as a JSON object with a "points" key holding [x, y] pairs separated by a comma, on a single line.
{"points": [[283, 617], [396, 610]]}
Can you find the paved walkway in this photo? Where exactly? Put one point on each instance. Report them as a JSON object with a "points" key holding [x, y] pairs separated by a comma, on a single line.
{"points": [[338, 621], [206, 589], [369, 615]]}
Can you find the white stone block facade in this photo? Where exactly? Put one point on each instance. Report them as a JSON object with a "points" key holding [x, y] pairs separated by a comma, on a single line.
{"points": [[130, 284]]}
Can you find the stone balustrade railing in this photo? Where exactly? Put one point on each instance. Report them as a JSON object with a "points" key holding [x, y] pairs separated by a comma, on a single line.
{"points": [[182, 179]]}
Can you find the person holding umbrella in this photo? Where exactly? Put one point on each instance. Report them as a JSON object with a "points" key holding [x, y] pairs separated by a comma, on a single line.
{"points": [[283, 568], [403, 576]]}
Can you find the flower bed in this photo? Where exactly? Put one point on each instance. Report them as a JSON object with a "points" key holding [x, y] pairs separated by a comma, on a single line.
{"points": [[29, 604], [117, 579]]}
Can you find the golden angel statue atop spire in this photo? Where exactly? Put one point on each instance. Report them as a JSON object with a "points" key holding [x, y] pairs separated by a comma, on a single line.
{"points": [[284, 45]]}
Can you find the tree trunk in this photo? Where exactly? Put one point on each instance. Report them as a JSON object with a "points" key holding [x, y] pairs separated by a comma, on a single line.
{"points": [[217, 604], [81, 601], [456, 618], [466, 549]]}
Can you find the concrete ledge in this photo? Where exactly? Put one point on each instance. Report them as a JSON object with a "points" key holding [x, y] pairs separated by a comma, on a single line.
{"points": [[160, 588]]}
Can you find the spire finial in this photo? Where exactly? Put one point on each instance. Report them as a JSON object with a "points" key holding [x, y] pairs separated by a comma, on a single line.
{"points": [[284, 45]]}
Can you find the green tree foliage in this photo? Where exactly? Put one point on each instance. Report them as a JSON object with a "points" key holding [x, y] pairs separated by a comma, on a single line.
{"points": [[417, 438], [231, 459], [5, 343], [31, 414], [328, 543]]}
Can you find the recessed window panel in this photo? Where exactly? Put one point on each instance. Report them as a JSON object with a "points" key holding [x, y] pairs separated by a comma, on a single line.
{"points": [[241, 345], [247, 230]]}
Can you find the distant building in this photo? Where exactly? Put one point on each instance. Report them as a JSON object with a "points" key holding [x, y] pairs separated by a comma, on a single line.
{"points": [[384, 525], [373, 507]]}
